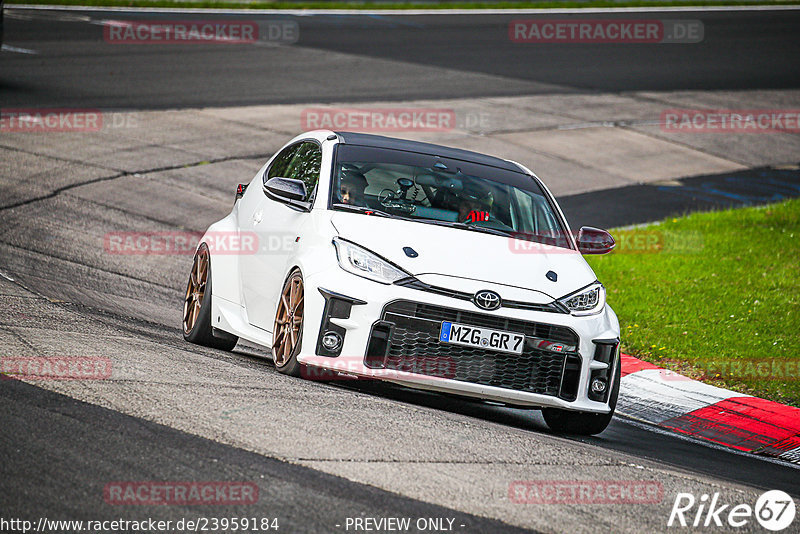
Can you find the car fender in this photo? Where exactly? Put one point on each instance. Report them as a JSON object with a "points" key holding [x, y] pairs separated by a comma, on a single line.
{"points": [[225, 282], [224, 264], [316, 252]]}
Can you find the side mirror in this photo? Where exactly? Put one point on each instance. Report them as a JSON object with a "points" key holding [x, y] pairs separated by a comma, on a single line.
{"points": [[594, 241], [289, 191]]}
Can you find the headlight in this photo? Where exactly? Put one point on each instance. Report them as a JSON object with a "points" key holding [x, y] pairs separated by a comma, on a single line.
{"points": [[587, 301], [361, 262]]}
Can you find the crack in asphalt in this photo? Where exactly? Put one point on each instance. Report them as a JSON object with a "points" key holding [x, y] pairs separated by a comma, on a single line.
{"points": [[60, 158], [10, 330], [60, 190], [120, 174]]}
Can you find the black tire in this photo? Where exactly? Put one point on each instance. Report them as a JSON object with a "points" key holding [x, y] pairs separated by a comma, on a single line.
{"points": [[581, 423], [197, 307], [286, 330]]}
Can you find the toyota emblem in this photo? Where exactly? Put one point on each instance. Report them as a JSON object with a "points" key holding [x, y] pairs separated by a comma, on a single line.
{"points": [[486, 300]]}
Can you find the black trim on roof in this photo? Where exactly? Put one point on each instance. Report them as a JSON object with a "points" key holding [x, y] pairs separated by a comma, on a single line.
{"points": [[379, 141]]}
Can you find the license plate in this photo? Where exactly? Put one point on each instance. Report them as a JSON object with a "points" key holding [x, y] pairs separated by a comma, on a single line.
{"points": [[482, 338]]}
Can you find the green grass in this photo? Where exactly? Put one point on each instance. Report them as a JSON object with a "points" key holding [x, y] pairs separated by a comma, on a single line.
{"points": [[395, 5], [698, 293]]}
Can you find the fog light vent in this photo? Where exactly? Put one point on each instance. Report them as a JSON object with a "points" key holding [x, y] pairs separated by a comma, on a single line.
{"points": [[601, 380], [331, 340], [598, 386]]}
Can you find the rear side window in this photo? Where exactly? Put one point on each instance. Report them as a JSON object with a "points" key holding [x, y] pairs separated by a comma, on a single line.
{"points": [[301, 161]]}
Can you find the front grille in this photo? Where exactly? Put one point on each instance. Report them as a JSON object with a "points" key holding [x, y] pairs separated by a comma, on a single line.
{"points": [[413, 283], [414, 346]]}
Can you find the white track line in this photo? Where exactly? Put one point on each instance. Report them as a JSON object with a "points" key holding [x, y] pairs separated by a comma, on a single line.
{"points": [[405, 12], [8, 48]]}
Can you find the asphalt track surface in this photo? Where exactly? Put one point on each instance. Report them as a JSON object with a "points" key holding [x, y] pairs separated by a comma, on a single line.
{"points": [[398, 58], [57, 452], [97, 445], [653, 202]]}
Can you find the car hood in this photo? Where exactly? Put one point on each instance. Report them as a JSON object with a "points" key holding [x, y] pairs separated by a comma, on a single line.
{"points": [[456, 253]]}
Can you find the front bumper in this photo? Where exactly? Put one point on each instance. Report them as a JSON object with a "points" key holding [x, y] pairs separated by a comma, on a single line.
{"points": [[389, 333]]}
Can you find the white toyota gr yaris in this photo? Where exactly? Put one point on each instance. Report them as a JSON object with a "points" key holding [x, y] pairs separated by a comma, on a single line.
{"points": [[355, 255]]}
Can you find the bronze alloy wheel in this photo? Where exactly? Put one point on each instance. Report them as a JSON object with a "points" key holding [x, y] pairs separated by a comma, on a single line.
{"points": [[195, 290], [197, 306], [289, 324]]}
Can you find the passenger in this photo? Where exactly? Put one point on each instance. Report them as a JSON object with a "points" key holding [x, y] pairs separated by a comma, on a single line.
{"points": [[351, 187]]}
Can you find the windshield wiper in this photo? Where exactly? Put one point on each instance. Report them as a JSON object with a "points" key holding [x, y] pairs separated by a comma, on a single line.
{"points": [[464, 226], [485, 230], [361, 209]]}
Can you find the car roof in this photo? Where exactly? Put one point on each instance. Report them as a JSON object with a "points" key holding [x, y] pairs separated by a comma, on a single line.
{"points": [[379, 141]]}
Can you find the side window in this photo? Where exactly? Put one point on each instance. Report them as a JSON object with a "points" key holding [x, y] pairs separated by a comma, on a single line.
{"points": [[302, 161], [306, 165], [281, 164]]}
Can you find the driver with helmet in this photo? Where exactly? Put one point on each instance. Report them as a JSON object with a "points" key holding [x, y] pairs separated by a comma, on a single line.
{"points": [[473, 202]]}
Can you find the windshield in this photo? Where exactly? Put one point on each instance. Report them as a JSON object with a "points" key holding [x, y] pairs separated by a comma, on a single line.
{"points": [[434, 190]]}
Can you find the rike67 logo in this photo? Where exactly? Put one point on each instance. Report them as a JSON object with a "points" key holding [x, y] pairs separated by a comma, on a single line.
{"points": [[774, 510]]}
